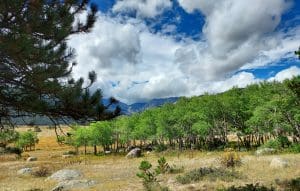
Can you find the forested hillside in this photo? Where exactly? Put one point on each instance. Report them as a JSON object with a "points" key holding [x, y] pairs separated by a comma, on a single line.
{"points": [[252, 115]]}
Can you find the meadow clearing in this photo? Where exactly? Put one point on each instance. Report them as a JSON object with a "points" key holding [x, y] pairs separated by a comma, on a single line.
{"points": [[115, 172]]}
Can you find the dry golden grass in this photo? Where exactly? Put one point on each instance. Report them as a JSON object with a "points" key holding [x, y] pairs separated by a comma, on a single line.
{"points": [[115, 172]]}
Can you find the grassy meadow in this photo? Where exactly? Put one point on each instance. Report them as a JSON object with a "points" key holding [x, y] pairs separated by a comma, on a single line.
{"points": [[115, 172]]}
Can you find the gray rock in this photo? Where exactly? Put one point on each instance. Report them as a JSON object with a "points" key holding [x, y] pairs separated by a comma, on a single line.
{"points": [[265, 151], [30, 159], [278, 163], [107, 152], [67, 156], [73, 184], [24, 171], [136, 152], [65, 174]]}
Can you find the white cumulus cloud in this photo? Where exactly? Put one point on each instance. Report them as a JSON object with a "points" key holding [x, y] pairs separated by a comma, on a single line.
{"points": [[135, 64], [143, 8], [286, 74]]}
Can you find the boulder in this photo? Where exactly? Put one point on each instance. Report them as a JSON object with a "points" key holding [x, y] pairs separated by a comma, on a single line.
{"points": [[30, 159], [278, 163], [24, 171], [129, 148], [265, 151], [134, 153], [65, 174], [73, 184]]}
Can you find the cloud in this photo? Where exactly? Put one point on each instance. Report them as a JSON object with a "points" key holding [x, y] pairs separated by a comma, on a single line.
{"points": [[135, 64], [286, 74], [124, 52], [142, 8], [234, 35]]}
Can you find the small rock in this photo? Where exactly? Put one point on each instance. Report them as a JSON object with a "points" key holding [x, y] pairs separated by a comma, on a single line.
{"points": [[265, 151], [107, 152], [278, 163], [67, 156], [73, 184], [65, 174], [134, 153], [148, 152], [171, 181], [30, 159], [37, 129], [24, 171]]}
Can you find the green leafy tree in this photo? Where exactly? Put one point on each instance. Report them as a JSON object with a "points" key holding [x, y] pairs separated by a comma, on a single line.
{"points": [[36, 63], [8, 136], [81, 137], [27, 140], [101, 133]]}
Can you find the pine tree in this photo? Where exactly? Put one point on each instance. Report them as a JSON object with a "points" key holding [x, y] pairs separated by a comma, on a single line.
{"points": [[36, 63]]}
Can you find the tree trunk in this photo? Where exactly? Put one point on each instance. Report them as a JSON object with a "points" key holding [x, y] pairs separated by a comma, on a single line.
{"points": [[95, 149]]}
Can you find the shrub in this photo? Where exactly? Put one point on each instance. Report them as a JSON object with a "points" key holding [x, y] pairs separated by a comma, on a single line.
{"points": [[230, 160], [207, 172], [163, 167], [146, 174], [278, 143], [160, 147], [248, 187], [70, 153], [290, 185], [295, 148], [42, 171], [194, 175], [175, 170], [13, 150], [8, 136], [149, 177], [284, 141]]}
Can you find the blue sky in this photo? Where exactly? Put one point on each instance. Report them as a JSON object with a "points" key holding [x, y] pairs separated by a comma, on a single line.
{"points": [[145, 49]]}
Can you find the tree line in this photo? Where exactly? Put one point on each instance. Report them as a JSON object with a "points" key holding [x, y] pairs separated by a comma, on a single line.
{"points": [[253, 115]]}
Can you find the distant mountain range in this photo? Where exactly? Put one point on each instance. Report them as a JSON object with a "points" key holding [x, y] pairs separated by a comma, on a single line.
{"points": [[141, 106], [125, 110]]}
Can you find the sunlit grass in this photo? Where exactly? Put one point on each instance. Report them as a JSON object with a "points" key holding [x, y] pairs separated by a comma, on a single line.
{"points": [[115, 172]]}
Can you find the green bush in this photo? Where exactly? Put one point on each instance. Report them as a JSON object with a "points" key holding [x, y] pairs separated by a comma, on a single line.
{"points": [[284, 141], [146, 174], [277, 143], [160, 147], [149, 177], [8, 136], [273, 144], [295, 148], [248, 187], [163, 167]]}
